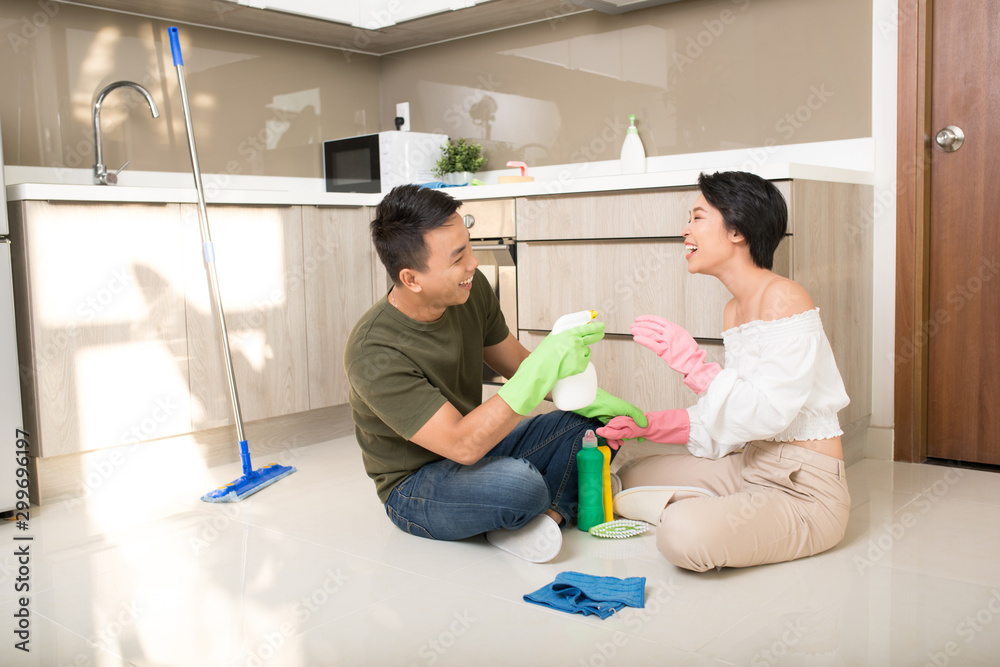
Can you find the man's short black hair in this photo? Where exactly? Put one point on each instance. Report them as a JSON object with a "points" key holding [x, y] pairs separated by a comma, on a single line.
{"points": [[752, 206], [401, 220]]}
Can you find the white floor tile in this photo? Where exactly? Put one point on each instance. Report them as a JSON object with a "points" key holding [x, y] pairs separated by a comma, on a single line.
{"points": [[310, 572], [50, 644], [461, 627]]}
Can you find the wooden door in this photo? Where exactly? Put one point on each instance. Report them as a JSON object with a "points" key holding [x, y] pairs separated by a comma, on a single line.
{"points": [[963, 329]]}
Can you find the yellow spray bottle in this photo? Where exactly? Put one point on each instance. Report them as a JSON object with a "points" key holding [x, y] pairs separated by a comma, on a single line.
{"points": [[609, 513]]}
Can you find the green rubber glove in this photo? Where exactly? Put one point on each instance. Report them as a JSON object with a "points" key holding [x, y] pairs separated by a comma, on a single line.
{"points": [[556, 357], [606, 406]]}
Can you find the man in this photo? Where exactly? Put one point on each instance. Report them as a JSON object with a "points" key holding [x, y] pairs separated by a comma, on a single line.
{"points": [[446, 465]]}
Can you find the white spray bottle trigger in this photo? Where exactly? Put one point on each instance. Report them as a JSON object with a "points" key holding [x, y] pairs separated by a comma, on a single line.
{"points": [[571, 320], [580, 390]]}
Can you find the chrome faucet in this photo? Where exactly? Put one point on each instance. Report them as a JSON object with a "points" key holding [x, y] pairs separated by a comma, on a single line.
{"points": [[101, 175]]}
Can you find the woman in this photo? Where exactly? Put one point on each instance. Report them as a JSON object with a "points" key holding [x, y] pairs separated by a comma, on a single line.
{"points": [[764, 480]]}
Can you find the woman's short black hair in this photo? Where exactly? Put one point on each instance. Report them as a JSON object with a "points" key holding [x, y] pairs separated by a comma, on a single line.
{"points": [[401, 220], [751, 206]]}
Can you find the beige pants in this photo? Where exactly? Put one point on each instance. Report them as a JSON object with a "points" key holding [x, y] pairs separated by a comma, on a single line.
{"points": [[776, 502]]}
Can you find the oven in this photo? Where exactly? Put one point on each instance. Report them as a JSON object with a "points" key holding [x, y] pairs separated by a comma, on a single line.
{"points": [[494, 246]]}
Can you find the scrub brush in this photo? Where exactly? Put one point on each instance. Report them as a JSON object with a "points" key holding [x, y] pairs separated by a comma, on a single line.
{"points": [[620, 528]]}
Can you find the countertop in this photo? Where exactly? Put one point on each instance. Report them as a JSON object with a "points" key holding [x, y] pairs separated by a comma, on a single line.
{"points": [[71, 185]]}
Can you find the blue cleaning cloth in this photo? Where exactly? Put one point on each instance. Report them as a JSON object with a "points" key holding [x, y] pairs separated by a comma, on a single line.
{"points": [[577, 593], [440, 184]]}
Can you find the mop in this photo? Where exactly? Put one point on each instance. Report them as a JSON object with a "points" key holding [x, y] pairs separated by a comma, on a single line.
{"points": [[252, 480]]}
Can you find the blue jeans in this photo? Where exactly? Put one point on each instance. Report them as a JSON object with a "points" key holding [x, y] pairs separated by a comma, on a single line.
{"points": [[531, 470]]}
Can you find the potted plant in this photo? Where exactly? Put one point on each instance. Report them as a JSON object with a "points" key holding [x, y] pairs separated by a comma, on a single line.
{"points": [[459, 161]]}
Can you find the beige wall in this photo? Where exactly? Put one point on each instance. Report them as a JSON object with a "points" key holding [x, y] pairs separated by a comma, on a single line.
{"points": [[259, 106], [700, 75]]}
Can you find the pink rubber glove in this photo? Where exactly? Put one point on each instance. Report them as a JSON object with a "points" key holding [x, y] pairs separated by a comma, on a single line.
{"points": [[667, 426], [676, 347]]}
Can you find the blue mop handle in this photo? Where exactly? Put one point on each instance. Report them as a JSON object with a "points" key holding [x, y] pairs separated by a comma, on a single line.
{"points": [[245, 458], [175, 45], [206, 238]]}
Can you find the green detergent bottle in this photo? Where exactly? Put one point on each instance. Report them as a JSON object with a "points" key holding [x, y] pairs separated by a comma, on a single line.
{"points": [[590, 468]]}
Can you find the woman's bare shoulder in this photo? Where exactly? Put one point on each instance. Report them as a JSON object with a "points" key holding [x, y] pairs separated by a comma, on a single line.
{"points": [[729, 315], [784, 298]]}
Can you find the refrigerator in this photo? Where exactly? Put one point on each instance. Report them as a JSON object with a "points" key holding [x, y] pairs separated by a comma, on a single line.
{"points": [[13, 445]]}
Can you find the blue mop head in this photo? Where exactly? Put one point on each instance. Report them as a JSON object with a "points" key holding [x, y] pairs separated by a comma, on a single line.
{"points": [[248, 484]]}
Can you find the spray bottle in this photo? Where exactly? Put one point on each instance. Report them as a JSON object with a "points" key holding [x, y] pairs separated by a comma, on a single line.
{"points": [[580, 390], [633, 157], [589, 469], [609, 511]]}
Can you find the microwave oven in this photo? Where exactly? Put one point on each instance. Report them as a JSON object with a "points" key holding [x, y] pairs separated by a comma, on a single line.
{"points": [[380, 162]]}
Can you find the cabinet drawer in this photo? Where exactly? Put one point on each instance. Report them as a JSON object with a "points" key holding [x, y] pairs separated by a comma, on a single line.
{"points": [[613, 215], [489, 218], [621, 280], [634, 373]]}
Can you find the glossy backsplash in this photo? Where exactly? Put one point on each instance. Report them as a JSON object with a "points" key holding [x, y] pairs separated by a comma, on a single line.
{"points": [[700, 75], [259, 106]]}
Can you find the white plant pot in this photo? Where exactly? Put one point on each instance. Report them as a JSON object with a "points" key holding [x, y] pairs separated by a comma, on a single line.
{"points": [[458, 178]]}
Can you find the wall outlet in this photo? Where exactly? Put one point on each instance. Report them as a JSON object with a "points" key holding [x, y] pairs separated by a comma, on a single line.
{"points": [[403, 111]]}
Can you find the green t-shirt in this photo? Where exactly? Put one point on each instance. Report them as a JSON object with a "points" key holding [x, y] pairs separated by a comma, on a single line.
{"points": [[402, 371]]}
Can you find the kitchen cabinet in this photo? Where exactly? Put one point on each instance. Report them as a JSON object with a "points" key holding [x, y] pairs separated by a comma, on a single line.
{"points": [[339, 12], [622, 255], [367, 14], [375, 27], [259, 261], [659, 213], [102, 344], [342, 278], [621, 279], [118, 343]]}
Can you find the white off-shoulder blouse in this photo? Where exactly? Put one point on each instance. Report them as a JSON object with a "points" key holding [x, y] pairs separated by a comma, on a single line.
{"points": [[780, 383]]}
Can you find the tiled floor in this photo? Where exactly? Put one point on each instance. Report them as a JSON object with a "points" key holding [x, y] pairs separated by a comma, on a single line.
{"points": [[310, 572]]}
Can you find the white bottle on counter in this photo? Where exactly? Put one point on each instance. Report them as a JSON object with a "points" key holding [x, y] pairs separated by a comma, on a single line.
{"points": [[576, 391], [633, 158]]}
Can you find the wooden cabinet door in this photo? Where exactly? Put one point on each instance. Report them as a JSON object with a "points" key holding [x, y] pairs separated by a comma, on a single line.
{"points": [[258, 253], [634, 214], [100, 294], [611, 215], [621, 279], [339, 287], [833, 262]]}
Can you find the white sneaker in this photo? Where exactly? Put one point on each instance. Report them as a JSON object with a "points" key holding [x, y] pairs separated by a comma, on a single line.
{"points": [[646, 503], [538, 541]]}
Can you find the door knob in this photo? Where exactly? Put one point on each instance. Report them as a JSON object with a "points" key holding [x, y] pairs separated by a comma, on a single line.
{"points": [[469, 221], [950, 139]]}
